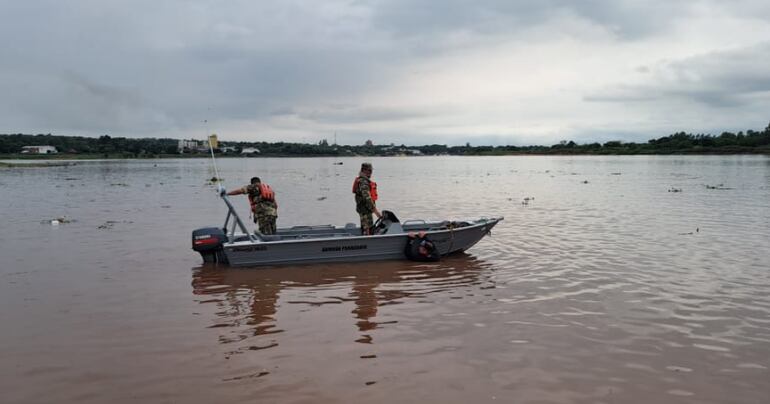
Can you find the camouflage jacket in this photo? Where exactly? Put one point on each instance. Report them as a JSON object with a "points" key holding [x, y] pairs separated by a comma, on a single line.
{"points": [[364, 202], [259, 206]]}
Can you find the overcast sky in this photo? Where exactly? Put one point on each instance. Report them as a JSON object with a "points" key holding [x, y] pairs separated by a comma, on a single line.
{"points": [[394, 71]]}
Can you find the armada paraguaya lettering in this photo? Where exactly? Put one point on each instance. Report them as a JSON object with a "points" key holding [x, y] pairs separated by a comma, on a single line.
{"points": [[344, 248]]}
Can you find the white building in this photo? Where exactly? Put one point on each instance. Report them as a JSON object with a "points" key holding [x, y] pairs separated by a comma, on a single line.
{"points": [[39, 150], [250, 150], [187, 145]]}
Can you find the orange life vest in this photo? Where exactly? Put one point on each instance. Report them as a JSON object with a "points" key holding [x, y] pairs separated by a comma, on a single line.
{"points": [[372, 188], [265, 193]]}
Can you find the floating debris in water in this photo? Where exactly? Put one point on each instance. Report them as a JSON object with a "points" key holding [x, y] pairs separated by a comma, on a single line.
{"points": [[337, 163], [615, 173], [214, 180], [672, 189], [57, 221], [585, 181], [257, 374], [719, 186], [118, 184], [321, 198], [697, 230]]}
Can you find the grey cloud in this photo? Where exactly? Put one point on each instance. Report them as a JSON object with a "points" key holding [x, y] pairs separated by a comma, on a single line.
{"points": [[146, 67], [427, 18], [720, 79], [347, 115], [283, 111]]}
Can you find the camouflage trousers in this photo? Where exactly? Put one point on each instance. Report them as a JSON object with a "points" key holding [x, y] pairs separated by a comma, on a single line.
{"points": [[367, 223], [266, 223]]}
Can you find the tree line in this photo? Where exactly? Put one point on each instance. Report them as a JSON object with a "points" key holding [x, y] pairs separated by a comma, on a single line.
{"points": [[750, 141]]}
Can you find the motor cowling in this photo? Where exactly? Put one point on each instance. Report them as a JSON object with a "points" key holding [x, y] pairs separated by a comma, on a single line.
{"points": [[420, 248], [208, 241]]}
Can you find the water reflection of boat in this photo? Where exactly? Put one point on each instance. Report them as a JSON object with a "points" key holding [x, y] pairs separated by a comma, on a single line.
{"points": [[251, 298], [327, 243]]}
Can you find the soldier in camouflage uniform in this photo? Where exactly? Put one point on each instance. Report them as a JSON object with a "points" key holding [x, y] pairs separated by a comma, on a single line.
{"points": [[263, 205], [365, 191]]}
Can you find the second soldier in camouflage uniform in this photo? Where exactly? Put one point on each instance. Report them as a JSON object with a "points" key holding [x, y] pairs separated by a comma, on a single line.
{"points": [[366, 200], [263, 205]]}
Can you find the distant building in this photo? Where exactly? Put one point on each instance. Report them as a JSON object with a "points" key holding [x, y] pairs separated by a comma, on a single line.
{"points": [[228, 149], [187, 145], [213, 141], [39, 150], [250, 150]]}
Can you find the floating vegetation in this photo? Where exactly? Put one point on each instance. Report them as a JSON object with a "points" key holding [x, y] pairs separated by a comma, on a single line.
{"points": [[719, 186], [615, 173], [527, 200], [110, 223], [321, 198], [672, 189]]}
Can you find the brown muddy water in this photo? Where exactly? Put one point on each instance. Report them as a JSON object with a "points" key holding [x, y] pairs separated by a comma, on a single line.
{"points": [[624, 280]]}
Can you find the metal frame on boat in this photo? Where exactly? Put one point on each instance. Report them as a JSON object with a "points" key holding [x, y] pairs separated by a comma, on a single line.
{"points": [[328, 243]]}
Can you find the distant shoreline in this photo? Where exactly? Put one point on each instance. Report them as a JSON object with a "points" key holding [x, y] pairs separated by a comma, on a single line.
{"points": [[106, 147], [51, 160]]}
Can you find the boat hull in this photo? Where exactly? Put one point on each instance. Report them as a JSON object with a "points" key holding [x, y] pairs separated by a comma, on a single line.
{"points": [[348, 248]]}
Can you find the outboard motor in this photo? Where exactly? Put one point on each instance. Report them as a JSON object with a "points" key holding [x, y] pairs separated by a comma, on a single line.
{"points": [[420, 248], [208, 242], [383, 223]]}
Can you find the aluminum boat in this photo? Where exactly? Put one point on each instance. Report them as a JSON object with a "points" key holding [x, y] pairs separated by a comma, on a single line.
{"points": [[420, 240]]}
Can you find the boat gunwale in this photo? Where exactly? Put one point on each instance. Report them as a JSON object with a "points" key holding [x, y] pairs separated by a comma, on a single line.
{"points": [[233, 244]]}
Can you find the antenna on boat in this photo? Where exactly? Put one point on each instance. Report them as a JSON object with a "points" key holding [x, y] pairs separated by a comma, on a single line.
{"points": [[213, 159]]}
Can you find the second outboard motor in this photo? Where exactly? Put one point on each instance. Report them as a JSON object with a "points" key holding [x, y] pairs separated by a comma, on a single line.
{"points": [[208, 242], [420, 248]]}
